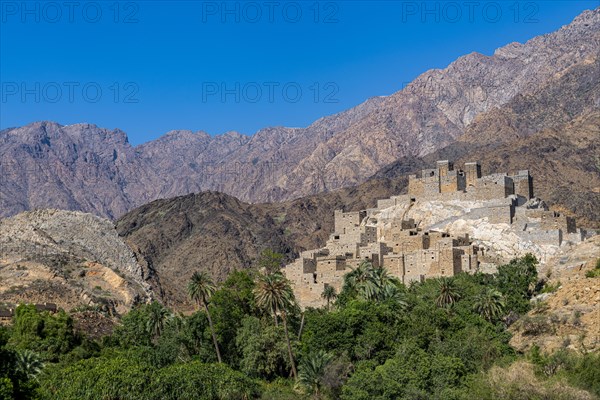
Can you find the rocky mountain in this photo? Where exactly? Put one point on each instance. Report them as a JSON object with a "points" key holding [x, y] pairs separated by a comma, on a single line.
{"points": [[68, 258], [76, 167], [207, 231], [564, 162], [478, 100], [219, 233], [215, 232]]}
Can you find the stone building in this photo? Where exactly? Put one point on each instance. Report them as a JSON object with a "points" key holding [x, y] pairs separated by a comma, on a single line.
{"points": [[412, 254], [468, 183]]}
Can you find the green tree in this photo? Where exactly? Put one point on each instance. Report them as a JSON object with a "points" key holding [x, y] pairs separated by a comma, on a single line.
{"points": [[411, 374], [49, 335], [516, 280], [263, 349], [489, 304], [448, 292], [312, 370], [363, 330], [229, 305], [194, 380], [28, 364], [158, 317], [123, 375], [329, 294], [6, 389], [133, 330], [270, 261], [200, 289], [358, 282], [393, 294], [17, 373], [274, 293]]}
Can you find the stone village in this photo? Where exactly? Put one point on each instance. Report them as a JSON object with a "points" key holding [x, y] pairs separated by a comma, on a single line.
{"points": [[411, 253]]}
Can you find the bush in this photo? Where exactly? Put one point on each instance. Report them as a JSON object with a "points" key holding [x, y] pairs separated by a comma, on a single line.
{"points": [[550, 288], [519, 382], [535, 325], [594, 273], [50, 335], [583, 371], [516, 280], [128, 376]]}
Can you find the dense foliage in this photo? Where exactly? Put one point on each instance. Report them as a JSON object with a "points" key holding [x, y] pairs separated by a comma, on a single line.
{"points": [[376, 339]]}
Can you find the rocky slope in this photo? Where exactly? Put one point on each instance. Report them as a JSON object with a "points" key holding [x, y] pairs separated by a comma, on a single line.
{"points": [[569, 315], [68, 258], [208, 231], [217, 233], [76, 167], [520, 90]]}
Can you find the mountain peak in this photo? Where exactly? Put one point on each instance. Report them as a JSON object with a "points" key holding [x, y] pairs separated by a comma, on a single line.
{"points": [[340, 150]]}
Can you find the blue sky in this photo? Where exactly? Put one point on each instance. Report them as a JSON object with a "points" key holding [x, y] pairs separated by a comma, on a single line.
{"points": [[149, 67]]}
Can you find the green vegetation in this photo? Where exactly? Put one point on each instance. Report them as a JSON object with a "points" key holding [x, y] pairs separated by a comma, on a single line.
{"points": [[550, 288], [377, 339], [594, 273], [200, 289]]}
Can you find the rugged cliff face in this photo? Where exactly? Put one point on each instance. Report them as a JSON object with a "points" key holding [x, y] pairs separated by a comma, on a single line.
{"points": [[563, 161], [75, 167], [68, 258], [570, 315], [520, 90]]}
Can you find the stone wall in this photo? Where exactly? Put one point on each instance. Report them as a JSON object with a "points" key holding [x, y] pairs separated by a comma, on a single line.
{"points": [[523, 184], [489, 187]]}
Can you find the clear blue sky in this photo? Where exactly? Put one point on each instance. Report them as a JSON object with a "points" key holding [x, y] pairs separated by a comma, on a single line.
{"points": [[152, 66]]}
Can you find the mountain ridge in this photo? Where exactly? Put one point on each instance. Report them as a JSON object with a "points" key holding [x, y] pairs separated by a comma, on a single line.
{"points": [[278, 163]]}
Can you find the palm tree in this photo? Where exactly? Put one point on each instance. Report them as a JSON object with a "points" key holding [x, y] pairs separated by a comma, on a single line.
{"points": [[329, 294], [393, 294], [489, 304], [448, 292], [311, 371], [358, 277], [372, 284], [384, 284], [358, 281], [29, 364], [274, 294], [200, 289], [157, 320]]}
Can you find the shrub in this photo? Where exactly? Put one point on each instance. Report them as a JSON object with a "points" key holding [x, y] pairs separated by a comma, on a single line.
{"points": [[550, 288], [594, 273], [519, 382], [127, 376], [534, 326]]}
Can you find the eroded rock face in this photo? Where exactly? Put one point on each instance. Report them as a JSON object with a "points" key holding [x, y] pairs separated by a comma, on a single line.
{"points": [[569, 316], [69, 258], [76, 167], [500, 242], [83, 167]]}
